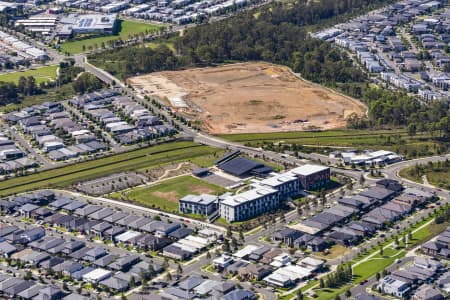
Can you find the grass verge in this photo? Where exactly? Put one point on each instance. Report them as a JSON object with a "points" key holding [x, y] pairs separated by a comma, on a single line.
{"points": [[64, 176]]}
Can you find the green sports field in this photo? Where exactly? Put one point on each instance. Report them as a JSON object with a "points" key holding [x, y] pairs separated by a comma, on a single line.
{"points": [[42, 74], [165, 194], [127, 29], [133, 160]]}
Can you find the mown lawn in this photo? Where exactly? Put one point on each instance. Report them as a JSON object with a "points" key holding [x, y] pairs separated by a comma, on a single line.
{"points": [[127, 30], [41, 74], [436, 176], [165, 194], [395, 140], [133, 160]]}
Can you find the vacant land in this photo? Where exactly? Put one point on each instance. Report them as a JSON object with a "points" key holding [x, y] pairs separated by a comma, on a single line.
{"points": [[250, 97], [41, 74], [437, 174], [89, 170], [127, 30], [165, 194]]}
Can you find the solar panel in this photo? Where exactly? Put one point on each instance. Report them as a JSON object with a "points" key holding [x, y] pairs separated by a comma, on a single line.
{"points": [[227, 157]]}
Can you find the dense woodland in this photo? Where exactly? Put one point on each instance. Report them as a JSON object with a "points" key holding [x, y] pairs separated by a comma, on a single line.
{"points": [[278, 33]]}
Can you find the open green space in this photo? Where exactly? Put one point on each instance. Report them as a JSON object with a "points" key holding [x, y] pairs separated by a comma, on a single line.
{"points": [[396, 140], [165, 194], [41, 74], [53, 94], [437, 174], [127, 30], [133, 160]]}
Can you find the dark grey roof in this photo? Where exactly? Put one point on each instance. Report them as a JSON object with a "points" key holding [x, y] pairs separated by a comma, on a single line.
{"points": [[101, 227], [30, 292], [115, 283], [326, 218], [181, 233], [139, 223], [378, 193], [7, 248], [100, 214], [75, 296], [105, 260], [17, 288], [115, 230], [87, 210], [179, 293], [125, 221], [60, 202], [80, 253], [239, 166], [29, 207], [124, 261], [4, 231], [74, 205], [191, 282], [11, 281], [115, 217], [239, 294]]}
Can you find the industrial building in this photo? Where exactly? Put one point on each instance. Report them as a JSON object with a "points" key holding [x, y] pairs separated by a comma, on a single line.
{"points": [[75, 24]]}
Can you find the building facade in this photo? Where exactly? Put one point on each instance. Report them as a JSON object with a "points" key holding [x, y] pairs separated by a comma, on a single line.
{"points": [[312, 176], [201, 205], [249, 204]]}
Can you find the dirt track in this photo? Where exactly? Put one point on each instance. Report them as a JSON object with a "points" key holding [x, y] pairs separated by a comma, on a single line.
{"points": [[250, 97]]}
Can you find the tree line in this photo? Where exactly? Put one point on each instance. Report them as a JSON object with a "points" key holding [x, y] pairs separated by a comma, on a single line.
{"points": [[342, 275]]}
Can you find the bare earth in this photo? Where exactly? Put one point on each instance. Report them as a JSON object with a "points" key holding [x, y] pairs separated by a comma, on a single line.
{"points": [[249, 98]]}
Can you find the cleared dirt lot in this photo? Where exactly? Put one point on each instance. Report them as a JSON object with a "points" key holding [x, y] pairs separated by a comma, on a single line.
{"points": [[249, 97]]}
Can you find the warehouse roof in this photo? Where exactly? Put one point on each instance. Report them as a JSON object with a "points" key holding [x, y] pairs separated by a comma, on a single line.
{"points": [[240, 166]]}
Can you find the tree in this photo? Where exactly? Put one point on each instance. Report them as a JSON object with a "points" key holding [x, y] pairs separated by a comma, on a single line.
{"points": [[86, 82], [412, 129], [208, 255], [226, 245], [321, 283], [168, 276], [348, 293], [381, 250], [362, 179], [299, 210], [27, 275], [241, 236], [299, 295], [229, 233], [337, 297], [179, 269], [378, 276]]}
